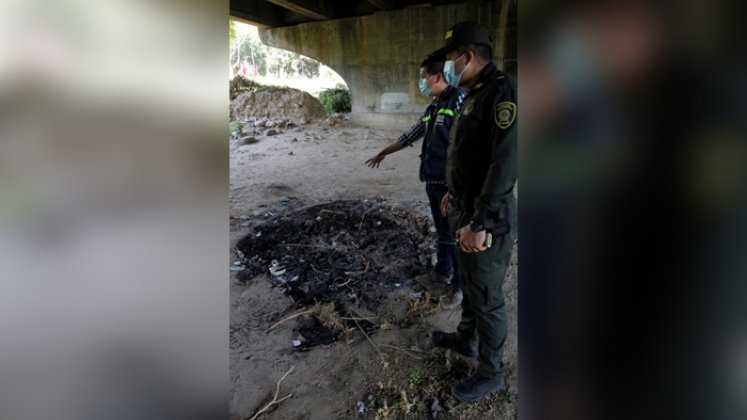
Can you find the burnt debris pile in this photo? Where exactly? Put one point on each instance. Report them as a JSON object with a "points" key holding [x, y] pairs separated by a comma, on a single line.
{"points": [[348, 252], [344, 251]]}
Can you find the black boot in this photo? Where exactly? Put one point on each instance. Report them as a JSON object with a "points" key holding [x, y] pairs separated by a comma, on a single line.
{"points": [[455, 342], [476, 387]]}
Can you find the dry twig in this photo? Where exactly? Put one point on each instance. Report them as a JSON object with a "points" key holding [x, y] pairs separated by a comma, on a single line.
{"points": [[405, 351], [288, 318], [332, 211], [325, 313], [275, 400], [370, 341]]}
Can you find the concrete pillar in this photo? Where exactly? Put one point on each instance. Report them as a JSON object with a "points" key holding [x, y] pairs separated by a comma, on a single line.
{"points": [[379, 55]]}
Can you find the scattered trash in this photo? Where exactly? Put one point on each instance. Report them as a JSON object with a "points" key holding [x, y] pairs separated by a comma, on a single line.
{"points": [[397, 284], [235, 268], [237, 263], [435, 408], [276, 269], [361, 407], [415, 295], [297, 343], [314, 333]]}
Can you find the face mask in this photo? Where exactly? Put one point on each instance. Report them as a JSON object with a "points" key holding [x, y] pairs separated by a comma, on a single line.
{"points": [[450, 75], [424, 89]]}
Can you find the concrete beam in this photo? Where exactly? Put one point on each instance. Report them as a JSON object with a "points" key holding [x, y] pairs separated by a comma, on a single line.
{"points": [[382, 4], [315, 11], [257, 13]]}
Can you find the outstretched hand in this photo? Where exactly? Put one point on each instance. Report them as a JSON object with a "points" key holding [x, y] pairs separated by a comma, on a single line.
{"points": [[375, 161]]}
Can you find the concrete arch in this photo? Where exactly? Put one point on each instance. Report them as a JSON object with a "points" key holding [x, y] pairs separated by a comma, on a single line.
{"points": [[378, 55]]}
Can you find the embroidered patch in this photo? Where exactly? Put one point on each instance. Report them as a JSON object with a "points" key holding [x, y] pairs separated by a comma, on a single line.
{"points": [[504, 114], [448, 34]]}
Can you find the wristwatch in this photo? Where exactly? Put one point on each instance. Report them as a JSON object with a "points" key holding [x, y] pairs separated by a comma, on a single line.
{"points": [[476, 227]]}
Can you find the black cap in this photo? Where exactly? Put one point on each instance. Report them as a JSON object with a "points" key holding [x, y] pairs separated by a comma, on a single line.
{"points": [[463, 33]]}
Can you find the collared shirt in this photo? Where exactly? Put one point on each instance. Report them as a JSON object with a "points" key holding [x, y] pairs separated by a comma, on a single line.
{"points": [[434, 127]]}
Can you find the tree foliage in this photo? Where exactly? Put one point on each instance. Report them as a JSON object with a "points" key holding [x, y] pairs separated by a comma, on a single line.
{"points": [[246, 45]]}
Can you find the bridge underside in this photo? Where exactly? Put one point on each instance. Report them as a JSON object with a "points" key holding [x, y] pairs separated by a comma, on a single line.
{"points": [[377, 45]]}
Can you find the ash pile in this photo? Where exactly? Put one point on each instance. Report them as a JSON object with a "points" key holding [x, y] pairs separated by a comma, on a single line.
{"points": [[348, 253]]}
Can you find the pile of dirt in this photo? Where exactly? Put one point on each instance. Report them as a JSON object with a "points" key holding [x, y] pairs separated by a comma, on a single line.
{"points": [[240, 84], [274, 102], [349, 254]]}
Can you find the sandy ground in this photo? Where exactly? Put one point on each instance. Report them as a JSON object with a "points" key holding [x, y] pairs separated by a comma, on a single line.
{"points": [[400, 373]]}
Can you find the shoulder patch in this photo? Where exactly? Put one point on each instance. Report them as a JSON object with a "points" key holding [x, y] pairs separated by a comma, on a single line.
{"points": [[504, 114]]}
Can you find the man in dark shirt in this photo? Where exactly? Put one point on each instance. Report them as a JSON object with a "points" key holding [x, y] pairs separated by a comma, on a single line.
{"points": [[434, 127], [481, 174]]}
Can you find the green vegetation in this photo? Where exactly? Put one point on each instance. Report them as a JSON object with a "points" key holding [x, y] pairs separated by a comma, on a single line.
{"points": [[414, 374], [335, 100], [246, 45], [235, 126]]}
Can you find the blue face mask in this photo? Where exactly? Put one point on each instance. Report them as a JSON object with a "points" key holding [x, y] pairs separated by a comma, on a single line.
{"points": [[424, 89], [450, 74]]}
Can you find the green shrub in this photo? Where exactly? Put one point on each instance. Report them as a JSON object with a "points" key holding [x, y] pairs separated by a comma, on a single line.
{"points": [[335, 100], [235, 126]]}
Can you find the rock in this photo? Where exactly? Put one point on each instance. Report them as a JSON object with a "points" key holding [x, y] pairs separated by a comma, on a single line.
{"points": [[248, 140], [291, 153], [294, 140], [304, 121], [260, 123], [272, 132], [270, 124]]}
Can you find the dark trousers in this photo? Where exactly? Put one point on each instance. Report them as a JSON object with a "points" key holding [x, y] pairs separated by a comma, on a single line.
{"points": [[446, 251], [483, 306]]}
